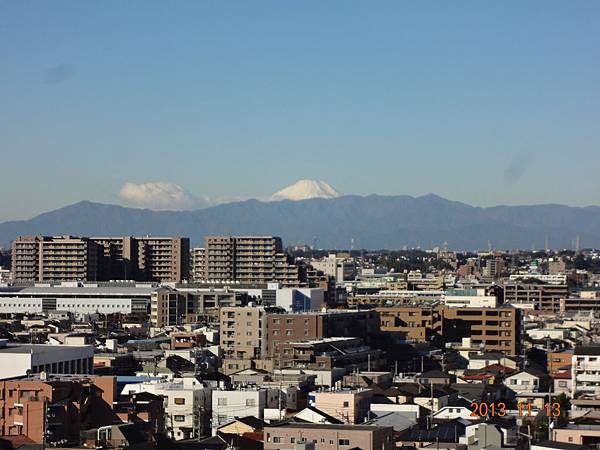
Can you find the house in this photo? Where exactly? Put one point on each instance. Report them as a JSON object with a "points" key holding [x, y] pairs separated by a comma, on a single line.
{"points": [[527, 381], [446, 432], [563, 382], [314, 415], [582, 430], [489, 435], [242, 425], [399, 420], [435, 377]]}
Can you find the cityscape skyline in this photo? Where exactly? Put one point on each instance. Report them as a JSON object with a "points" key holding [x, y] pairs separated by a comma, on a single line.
{"points": [[239, 101]]}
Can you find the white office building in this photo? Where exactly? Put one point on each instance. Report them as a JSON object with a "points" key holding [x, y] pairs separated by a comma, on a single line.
{"points": [[77, 298]]}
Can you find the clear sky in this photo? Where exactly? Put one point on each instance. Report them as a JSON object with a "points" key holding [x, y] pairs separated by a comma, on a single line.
{"points": [[483, 102]]}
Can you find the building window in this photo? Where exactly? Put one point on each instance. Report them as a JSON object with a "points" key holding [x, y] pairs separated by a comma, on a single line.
{"points": [[179, 401], [346, 404], [178, 418], [292, 440], [277, 440], [343, 441], [222, 401], [250, 402]]}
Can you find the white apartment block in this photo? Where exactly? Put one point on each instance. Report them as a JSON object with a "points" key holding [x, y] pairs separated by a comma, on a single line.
{"points": [[187, 403], [227, 405], [585, 373]]}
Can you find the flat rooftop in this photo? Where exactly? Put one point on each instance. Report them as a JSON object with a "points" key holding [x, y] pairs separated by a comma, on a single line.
{"points": [[18, 349]]}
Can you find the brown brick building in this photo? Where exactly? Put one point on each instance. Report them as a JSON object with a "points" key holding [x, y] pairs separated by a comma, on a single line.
{"points": [[292, 327], [496, 329], [65, 405]]}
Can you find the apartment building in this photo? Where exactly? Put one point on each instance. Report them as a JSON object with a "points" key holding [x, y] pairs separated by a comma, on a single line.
{"points": [[187, 405], [242, 402], [559, 360], [347, 405], [54, 258], [495, 329], [585, 372], [164, 258], [283, 328], [118, 258], [349, 353], [63, 405], [544, 297], [249, 259], [199, 264], [243, 331], [340, 266], [170, 307], [69, 258], [328, 437]]}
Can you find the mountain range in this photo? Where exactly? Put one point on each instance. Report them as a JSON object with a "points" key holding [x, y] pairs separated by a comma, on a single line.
{"points": [[370, 222]]}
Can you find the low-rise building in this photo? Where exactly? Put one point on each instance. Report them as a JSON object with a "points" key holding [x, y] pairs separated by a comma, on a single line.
{"points": [[328, 437], [17, 360]]}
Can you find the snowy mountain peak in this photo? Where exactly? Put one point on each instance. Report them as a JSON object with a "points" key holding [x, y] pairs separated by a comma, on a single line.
{"points": [[305, 189]]}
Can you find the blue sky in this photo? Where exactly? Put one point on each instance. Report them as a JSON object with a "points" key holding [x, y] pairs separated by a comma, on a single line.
{"points": [[483, 102]]}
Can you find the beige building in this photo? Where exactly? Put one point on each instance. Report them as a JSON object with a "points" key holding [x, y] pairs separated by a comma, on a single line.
{"points": [[243, 332], [494, 329], [328, 437], [350, 405], [167, 308], [54, 259], [199, 264], [164, 258], [248, 259]]}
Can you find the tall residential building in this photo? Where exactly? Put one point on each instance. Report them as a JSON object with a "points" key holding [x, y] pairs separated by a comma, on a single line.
{"points": [[119, 258], [164, 258], [243, 332], [249, 259], [199, 264], [54, 259], [68, 258]]}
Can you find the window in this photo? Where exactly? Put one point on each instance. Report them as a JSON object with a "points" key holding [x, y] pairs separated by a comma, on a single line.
{"points": [[277, 440], [346, 404], [562, 383], [222, 401], [343, 441], [250, 402], [292, 440], [178, 418], [179, 401]]}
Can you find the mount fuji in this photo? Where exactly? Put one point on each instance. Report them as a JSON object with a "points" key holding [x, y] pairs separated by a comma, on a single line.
{"points": [[304, 190]]}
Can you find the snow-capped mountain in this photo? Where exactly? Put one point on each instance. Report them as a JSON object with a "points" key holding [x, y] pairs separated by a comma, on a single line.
{"points": [[305, 189]]}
